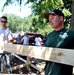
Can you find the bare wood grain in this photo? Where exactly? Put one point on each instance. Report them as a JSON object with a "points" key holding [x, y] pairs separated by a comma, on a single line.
{"points": [[59, 55]]}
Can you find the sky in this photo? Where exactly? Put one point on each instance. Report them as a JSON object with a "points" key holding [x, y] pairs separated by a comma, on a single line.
{"points": [[12, 9]]}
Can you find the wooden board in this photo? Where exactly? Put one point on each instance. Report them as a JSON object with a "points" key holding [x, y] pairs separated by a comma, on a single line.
{"points": [[64, 56]]}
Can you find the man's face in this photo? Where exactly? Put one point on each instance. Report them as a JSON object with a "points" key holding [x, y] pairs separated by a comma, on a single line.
{"points": [[55, 20], [3, 22]]}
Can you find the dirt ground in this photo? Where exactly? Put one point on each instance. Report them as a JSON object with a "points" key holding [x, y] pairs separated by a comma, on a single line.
{"points": [[30, 71]]}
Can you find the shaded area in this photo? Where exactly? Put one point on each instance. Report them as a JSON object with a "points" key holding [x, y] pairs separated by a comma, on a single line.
{"points": [[15, 61]]}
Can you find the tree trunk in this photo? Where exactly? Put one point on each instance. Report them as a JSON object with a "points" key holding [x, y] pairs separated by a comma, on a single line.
{"points": [[72, 17]]}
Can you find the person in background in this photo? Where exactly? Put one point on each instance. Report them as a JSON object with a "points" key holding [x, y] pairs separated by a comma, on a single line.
{"points": [[44, 39], [38, 41], [60, 37], [25, 39], [5, 33], [18, 39]]}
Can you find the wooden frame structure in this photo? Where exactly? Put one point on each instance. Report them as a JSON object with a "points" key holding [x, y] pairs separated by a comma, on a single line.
{"points": [[59, 55]]}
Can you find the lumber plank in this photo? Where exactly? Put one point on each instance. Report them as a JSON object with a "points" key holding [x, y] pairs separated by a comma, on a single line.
{"points": [[20, 66], [59, 55]]}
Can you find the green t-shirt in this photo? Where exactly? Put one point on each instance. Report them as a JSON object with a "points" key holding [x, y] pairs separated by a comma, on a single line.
{"points": [[63, 38]]}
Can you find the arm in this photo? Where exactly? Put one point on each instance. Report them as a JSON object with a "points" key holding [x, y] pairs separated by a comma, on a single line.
{"points": [[10, 37]]}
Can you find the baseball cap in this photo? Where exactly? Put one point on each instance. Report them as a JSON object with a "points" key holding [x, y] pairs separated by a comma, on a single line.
{"points": [[54, 12]]}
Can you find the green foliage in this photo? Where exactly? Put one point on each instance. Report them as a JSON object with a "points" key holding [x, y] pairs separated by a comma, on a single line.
{"points": [[67, 4], [36, 22], [17, 24], [8, 2]]}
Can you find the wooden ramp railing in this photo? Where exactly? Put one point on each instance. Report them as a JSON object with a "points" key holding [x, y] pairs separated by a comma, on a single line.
{"points": [[64, 56]]}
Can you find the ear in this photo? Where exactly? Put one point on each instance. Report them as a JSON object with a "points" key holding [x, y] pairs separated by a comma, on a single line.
{"points": [[61, 18]]}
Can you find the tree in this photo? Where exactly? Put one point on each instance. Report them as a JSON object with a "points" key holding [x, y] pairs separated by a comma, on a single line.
{"points": [[39, 7], [17, 24]]}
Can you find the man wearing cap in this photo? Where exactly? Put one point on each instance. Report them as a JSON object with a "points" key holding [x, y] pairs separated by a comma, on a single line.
{"points": [[60, 37]]}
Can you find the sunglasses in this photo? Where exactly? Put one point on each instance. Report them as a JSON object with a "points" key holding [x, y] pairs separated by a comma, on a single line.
{"points": [[4, 21]]}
